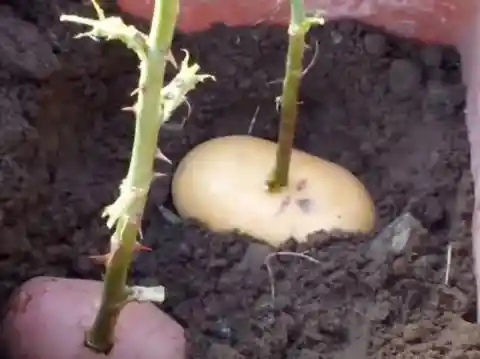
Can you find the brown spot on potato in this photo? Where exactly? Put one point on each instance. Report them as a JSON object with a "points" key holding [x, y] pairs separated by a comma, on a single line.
{"points": [[283, 206], [301, 185]]}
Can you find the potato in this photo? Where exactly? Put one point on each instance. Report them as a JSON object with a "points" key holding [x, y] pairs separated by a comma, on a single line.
{"points": [[222, 184], [47, 318]]}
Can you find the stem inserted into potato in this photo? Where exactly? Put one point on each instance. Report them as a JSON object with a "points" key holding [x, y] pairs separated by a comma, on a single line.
{"points": [[233, 171], [298, 28]]}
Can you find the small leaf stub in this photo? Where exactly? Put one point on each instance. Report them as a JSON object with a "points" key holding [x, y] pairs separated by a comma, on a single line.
{"points": [[147, 294]]}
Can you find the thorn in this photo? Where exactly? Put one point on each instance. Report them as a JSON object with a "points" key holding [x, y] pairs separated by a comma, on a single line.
{"points": [[161, 156], [100, 259], [134, 92], [142, 248], [159, 175], [171, 59], [104, 259], [89, 34], [129, 109]]}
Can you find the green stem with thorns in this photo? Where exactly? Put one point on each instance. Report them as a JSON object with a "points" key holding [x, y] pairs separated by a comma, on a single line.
{"points": [[298, 28], [155, 105], [149, 111]]}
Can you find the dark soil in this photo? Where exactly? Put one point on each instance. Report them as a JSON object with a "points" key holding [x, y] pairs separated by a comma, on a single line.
{"points": [[389, 109]]}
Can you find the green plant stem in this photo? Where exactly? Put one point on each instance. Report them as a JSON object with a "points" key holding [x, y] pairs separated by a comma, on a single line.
{"points": [[149, 115], [289, 99], [101, 336]]}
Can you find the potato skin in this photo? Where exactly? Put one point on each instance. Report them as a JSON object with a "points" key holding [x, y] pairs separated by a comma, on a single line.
{"points": [[222, 183], [47, 318]]}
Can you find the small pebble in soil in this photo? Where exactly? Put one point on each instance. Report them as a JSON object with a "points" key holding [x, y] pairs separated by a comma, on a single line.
{"points": [[451, 299], [281, 329], [443, 100], [404, 76], [332, 325], [382, 311], [431, 56], [336, 37], [396, 237], [220, 329], [375, 44]]}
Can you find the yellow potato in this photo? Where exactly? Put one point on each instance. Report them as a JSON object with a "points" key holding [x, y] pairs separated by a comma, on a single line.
{"points": [[222, 183]]}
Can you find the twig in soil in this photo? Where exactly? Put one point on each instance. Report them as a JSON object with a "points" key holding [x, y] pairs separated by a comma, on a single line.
{"points": [[254, 119], [305, 71], [270, 271], [449, 263], [461, 206]]}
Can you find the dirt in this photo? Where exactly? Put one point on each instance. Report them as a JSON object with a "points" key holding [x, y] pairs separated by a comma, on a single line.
{"points": [[388, 109]]}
